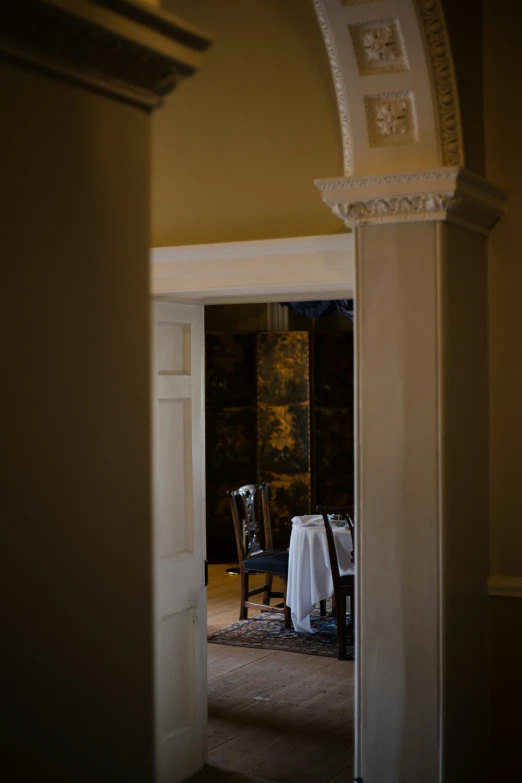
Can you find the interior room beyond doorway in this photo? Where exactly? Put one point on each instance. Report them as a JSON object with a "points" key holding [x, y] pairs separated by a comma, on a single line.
{"points": [[275, 714]]}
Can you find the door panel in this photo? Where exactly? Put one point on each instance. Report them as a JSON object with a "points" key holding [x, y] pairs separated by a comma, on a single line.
{"points": [[179, 542]]}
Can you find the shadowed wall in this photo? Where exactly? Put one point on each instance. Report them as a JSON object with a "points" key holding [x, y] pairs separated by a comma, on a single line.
{"points": [[502, 76], [75, 432]]}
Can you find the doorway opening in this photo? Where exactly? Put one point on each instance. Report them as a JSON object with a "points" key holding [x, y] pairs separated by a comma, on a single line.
{"points": [[279, 408], [184, 281]]}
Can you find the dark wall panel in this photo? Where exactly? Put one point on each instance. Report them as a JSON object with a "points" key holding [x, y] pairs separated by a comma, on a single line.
{"points": [[332, 419], [231, 424]]}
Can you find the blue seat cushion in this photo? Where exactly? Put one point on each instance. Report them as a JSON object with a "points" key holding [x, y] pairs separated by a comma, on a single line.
{"points": [[268, 562]]}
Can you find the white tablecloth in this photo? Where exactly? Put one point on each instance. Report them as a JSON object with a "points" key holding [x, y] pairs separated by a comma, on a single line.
{"points": [[309, 576]]}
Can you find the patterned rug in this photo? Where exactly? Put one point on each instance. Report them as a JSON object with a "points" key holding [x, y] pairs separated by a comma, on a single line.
{"points": [[267, 632]]}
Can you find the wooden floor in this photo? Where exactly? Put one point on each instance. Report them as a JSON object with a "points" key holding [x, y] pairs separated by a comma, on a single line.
{"points": [[275, 716]]}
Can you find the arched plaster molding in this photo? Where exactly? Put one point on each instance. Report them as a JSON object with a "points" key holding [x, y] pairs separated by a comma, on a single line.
{"points": [[395, 84], [443, 81], [340, 92]]}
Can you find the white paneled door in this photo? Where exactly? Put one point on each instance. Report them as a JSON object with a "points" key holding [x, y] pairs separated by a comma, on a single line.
{"points": [[179, 540]]}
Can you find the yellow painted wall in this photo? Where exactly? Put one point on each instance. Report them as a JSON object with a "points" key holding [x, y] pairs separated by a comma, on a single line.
{"points": [[236, 149], [502, 79], [75, 454]]}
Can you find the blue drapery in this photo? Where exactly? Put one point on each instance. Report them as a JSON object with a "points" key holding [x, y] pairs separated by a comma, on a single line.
{"points": [[317, 309]]}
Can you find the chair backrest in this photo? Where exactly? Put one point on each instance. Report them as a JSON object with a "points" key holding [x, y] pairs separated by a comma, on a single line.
{"points": [[246, 525], [347, 515]]}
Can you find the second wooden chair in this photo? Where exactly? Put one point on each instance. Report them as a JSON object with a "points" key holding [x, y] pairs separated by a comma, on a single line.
{"points": [[344, 586]]}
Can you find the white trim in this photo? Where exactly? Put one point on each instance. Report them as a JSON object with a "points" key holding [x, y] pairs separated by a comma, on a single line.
{"points": [[253, 248], [271, 270], [359, 553], [339, 84], [505, 586]]}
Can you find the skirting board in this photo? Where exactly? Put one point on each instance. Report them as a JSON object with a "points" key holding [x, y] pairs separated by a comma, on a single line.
{"points": [[505, 586]]}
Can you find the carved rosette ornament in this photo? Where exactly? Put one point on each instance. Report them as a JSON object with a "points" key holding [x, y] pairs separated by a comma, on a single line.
{"points": [[131, 51], [453, 194], [418, 65], [378, 46], [391, 119]]}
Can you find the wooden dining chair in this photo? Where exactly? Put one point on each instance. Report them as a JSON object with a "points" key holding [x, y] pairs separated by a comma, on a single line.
{"points": [[344, 586], [253, 557]]}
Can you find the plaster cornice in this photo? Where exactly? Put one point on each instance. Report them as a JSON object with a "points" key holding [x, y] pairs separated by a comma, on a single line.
{"points": [[254, 249], [124, 48], [452, 194], [295, 268]]}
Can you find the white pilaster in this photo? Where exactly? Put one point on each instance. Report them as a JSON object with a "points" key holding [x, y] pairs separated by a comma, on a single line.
{"points": [[422, 471]]}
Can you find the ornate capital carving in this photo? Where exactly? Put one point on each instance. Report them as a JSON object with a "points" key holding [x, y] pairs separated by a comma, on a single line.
{"points": [[124, 48], [452, 194]]}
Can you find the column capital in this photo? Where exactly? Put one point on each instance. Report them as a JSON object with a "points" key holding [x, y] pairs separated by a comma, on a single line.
{"points": [[452, 194], [127, 49]]}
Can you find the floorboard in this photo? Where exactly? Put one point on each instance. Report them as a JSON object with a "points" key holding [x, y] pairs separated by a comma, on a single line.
{"points": [[275, 716]]}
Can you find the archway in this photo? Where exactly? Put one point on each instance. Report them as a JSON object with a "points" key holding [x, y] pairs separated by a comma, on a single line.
{"points": [[419, 220]]}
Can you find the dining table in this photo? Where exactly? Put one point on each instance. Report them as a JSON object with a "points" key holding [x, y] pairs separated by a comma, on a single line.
{"points": [[309, 574]]}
